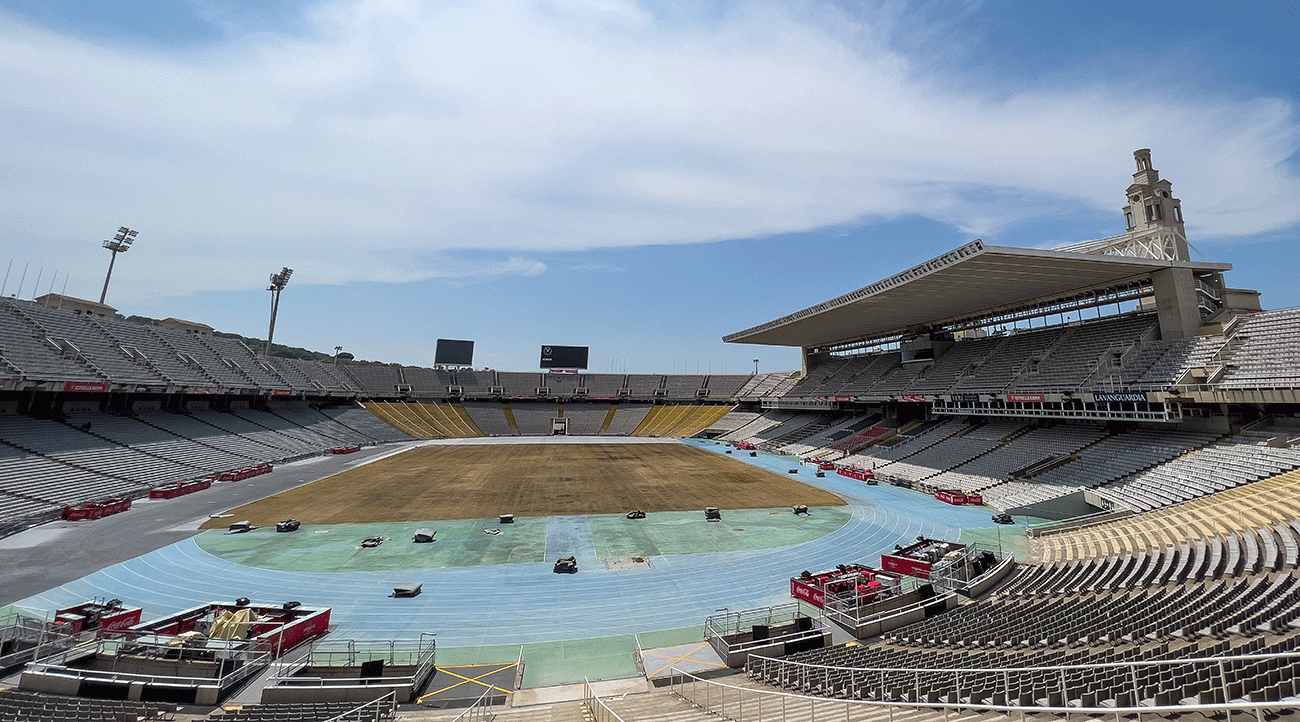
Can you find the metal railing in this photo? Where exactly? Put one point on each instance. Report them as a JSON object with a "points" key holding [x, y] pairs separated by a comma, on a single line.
{"points": [[1148, 685], [480, 710], [745, 704], [349, 653], [242, 660], [597, 710], [377, 710]]}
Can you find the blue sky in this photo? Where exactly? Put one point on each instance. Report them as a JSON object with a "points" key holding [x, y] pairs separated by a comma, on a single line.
{"points": [[640, 178]]}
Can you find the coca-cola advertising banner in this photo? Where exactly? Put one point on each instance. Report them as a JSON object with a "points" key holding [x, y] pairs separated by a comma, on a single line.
{"points": [[807, 593], [904, 565]]}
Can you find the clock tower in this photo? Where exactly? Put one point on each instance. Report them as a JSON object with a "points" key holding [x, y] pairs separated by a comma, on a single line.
{"points": [[1152, 216]]}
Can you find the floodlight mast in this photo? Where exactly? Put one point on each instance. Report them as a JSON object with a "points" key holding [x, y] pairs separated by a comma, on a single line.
{"points": [[278, 282], [121, 243]]}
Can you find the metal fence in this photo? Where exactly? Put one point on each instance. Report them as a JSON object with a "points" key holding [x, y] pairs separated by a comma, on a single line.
{"points": [[597, 710], [379, 710], [744, 704], [1152, 687]]}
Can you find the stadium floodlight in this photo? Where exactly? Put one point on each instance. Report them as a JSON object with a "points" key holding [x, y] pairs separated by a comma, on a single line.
{"points": [[278, 282], [755, 367], [121, 243], [337, 349]]}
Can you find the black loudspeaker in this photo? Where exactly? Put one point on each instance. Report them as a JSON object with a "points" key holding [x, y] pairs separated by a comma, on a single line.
{"points": [[802, 624], [373, 668], [761, 631]]}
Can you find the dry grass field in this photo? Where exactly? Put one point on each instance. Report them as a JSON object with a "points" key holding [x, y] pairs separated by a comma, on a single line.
{"points": [[473, 482]]}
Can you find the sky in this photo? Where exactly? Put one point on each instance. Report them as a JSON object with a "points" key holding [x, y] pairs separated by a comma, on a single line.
{"points": [[641, 178]]}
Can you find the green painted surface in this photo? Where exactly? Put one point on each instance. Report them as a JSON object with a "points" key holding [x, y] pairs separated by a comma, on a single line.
{"points": [[1009, 537], [548, 664], [493, 654], [670, 637], [464, 543], [13, 609], [570, 662], [682, 532]]}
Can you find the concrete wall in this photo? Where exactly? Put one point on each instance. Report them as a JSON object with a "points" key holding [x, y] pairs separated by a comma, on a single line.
{"points": [[1065, 507]]}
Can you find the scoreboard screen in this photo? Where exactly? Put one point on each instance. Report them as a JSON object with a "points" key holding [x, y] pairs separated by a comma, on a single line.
{"points": [[454, 353], [564, 357]]}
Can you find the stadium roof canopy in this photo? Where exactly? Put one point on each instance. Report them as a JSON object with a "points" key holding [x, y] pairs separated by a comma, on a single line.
{"points": [[974, 280]]}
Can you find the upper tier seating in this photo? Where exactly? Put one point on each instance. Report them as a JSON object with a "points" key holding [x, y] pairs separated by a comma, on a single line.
{"points": [[152, 344], [474, 383], [683, 387], [1006, 361], [249, 364], [818, 378], [97, 349], [604, 386], [643, 386], [563, 385], [376, 379], [519, 384], [1082, 348], [953, 364], [1267, 346], [722, 387], [28, 350], [870, 373], [1161, 364]]}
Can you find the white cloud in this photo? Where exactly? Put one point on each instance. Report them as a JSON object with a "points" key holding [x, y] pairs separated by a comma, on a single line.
{"points": [[389, 133]]}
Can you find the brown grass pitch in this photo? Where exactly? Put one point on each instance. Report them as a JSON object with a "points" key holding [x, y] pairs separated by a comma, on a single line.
{"points": [[472, 482]]}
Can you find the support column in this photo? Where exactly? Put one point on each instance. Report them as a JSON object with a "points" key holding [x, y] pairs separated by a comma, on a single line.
{"points": [[1176, 306]]}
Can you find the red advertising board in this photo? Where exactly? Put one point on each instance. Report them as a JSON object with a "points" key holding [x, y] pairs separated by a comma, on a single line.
{"points": [[807, 593], [106, 618], [1025, 398], [958, 497], [903, 565], [914, 397], [281, 392], [86, 386], [854, 472], [843, 399]]}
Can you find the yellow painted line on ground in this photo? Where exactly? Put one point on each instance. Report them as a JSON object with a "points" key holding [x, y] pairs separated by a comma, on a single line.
{"points": [[675, 660], [473, 680]]}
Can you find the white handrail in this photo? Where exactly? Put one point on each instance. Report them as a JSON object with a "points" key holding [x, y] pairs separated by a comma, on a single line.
{"points": [[744, 704], [596, 707]]}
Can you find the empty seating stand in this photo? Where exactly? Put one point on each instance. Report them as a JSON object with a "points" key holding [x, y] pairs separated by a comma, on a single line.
{"points": [[20, 706]]}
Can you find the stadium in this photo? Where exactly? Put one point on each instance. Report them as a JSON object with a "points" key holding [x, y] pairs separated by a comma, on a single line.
{"points": [[1052, 482]]}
